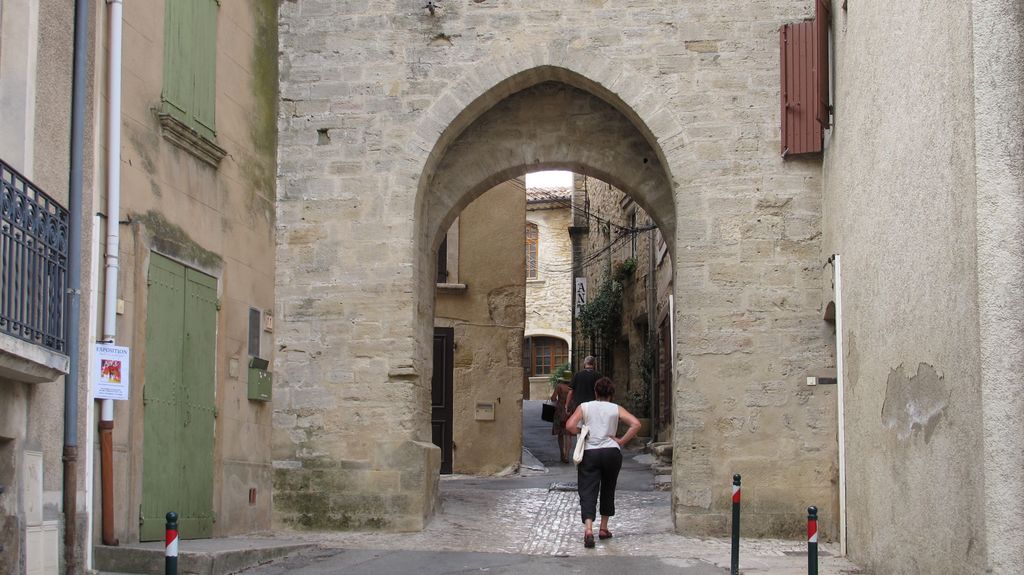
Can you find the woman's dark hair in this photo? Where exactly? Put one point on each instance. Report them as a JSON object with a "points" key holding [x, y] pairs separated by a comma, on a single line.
{"points": [[604, 388]]}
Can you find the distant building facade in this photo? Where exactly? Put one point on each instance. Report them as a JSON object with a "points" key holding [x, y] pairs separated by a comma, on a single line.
{"points": [[622, 253], [548, 286]]}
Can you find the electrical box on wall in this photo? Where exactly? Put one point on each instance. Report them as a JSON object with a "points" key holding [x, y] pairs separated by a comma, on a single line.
{"points": [[260, 380], [484, 412]]}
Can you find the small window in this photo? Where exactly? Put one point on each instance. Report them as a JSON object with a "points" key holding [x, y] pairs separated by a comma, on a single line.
{"points": [[254, 332], [531, 250], [542, 354], [442, 261]]}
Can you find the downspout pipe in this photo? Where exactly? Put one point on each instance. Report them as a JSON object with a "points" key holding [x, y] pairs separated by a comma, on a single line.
{"points": [[840, 397], [73, 293], [106, 427]]}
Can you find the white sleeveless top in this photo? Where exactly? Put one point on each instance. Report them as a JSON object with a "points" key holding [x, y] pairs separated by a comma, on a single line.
{"points": [[602, 418]]}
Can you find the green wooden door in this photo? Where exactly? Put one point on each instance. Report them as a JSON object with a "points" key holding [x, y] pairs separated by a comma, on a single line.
{"points": [[178, 399]]}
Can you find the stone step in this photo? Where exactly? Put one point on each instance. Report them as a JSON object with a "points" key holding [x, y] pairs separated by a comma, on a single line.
{"points": [[662, 450], [663, 483], [199, 557], [662, 469]]}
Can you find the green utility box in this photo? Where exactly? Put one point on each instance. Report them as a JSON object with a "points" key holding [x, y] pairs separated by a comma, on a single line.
{"points": [[260, 380]]}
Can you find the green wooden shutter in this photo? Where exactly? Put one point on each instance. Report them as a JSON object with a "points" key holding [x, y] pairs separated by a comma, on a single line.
{"points": [[177, 92], [204, 67], [190, 58], [178, 412], [198, 382], [161, 447]]}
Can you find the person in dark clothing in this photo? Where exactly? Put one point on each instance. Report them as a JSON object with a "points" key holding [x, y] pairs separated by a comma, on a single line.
{"points": [[581, 388], [598, 472]]}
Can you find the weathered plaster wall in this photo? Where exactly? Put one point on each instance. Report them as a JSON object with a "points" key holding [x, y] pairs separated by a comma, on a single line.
{"points": [[488, 320], [674, 102], [35, 104], [217, 220], [900, 208], [998, 40]]}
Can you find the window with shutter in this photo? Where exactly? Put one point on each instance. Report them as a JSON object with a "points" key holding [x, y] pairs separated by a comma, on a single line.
{"points": [[532, 239], [804, 89], [188, 101]]}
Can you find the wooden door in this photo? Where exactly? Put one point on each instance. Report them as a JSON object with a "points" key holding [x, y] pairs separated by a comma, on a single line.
{"points": [[178, 401], [441, 405]]}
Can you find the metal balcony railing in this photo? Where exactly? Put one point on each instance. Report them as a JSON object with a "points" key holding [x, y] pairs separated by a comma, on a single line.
{"points": [[34, 253]]}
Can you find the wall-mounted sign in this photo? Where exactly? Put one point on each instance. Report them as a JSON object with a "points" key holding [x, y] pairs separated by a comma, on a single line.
{"points": [[580, 295], [110, 372]]}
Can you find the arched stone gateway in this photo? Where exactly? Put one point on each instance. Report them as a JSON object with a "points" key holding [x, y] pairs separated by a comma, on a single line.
{"points": [[371, 174]]}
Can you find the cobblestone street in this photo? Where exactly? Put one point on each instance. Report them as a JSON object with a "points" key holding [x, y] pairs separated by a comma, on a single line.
{"points": [[532, 513]]}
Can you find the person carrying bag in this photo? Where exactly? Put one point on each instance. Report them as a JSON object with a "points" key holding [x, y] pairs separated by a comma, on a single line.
{"points": [[599, 455]]}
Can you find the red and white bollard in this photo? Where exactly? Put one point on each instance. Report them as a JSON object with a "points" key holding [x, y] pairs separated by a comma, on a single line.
{"points": [[171, 545], [735, 558], [812, 540]]}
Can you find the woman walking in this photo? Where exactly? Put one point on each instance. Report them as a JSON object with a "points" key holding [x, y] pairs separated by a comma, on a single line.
{"points": [[560, 396], [602, 456]]}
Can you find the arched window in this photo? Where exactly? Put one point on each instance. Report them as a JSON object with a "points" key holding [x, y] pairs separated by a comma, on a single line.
{"points": [[542, 354], [531, 250]]}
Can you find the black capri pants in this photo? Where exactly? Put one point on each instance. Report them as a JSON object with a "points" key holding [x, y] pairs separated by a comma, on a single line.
{"points": [[598, 473]]}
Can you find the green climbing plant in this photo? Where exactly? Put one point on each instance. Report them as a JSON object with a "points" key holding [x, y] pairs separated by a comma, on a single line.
{"points": [[600, 319]]}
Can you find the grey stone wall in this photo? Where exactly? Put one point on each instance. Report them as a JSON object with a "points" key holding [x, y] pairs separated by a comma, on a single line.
{"points": [[392, 116]]}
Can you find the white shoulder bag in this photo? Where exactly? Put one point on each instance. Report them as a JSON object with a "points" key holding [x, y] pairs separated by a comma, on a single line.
{"points": [[581, 439]]}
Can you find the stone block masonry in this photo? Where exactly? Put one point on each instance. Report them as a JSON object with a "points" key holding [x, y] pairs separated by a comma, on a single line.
{"points": [[392, 120]]}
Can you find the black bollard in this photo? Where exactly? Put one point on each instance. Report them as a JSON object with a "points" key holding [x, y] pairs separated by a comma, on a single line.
{"points": [[735, 570], [171, 545], [812, 540]]}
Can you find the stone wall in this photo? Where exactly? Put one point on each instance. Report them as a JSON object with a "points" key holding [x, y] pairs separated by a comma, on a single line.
{"points": [[487, 317], [548, 297], [393, 115], [619, 241]]}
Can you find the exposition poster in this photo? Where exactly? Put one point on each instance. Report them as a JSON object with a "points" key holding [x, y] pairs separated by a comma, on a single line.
{"points": [[110, 371]]}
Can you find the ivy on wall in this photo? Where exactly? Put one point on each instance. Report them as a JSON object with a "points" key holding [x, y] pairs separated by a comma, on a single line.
{"points": [[600, 319]]}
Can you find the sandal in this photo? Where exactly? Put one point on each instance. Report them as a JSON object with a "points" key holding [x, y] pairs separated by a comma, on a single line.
{"points": [[588, 540], [604, 534]]}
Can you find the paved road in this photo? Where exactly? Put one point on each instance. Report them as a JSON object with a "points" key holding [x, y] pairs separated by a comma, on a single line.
{"points": [[520, 524], [370, 562]]}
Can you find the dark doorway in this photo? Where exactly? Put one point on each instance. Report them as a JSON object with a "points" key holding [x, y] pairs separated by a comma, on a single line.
{"points": [[441, 394]]}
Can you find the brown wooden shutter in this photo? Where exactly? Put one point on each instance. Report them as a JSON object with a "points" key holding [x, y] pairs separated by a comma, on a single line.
{"points": [[801, 132], [822, 20], [805, 113]]}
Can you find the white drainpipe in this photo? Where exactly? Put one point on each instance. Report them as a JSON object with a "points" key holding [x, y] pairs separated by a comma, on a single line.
{"points": [[113, 238], [841, 392]]}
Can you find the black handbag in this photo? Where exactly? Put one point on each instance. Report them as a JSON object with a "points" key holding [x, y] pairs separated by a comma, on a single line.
{"points": [[547, 412]]}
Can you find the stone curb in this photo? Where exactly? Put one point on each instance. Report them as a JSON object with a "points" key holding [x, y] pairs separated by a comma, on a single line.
{"points": [[216, 557]]}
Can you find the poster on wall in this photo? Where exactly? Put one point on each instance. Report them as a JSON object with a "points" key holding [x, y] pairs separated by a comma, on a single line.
{"points": [[110, 371]]}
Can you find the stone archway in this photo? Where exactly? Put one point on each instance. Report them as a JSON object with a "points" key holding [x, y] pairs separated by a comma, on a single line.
{"points": [[366, 187], [550, 124]]}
